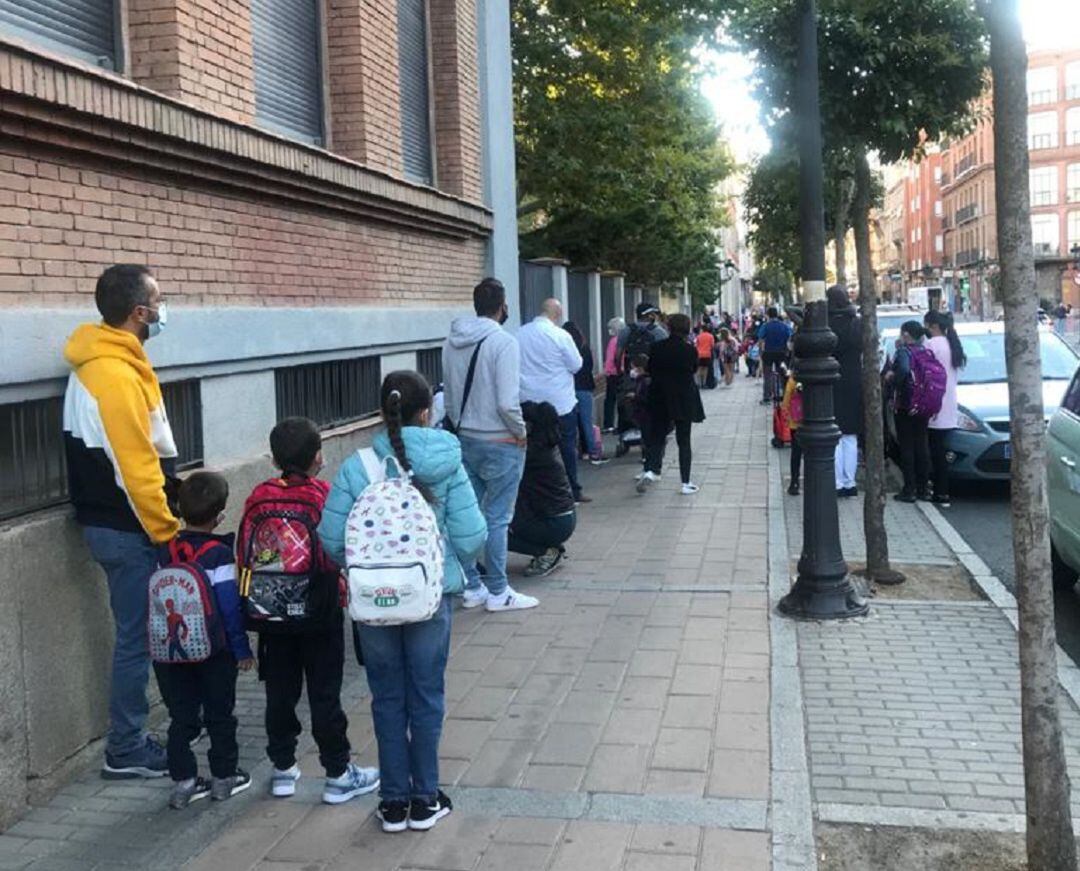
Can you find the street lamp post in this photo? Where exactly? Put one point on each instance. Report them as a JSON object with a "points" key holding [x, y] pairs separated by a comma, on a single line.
{"points": [[822, 589], [728, 271]]}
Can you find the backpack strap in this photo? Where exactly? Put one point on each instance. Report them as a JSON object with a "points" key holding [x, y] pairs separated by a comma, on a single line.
{"points": [[183, 552], [374, 468]]}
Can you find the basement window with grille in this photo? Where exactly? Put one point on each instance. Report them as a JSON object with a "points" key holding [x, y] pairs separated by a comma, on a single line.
{"points": [[429, 364], [331, 393]]}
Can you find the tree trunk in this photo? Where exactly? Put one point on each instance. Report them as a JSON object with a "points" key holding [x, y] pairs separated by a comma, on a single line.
{"points": [[845, 190], [1050, 842], [878, 569]]}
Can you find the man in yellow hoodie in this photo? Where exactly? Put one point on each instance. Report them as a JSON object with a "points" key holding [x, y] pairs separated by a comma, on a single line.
{"points": [[119, 450]]}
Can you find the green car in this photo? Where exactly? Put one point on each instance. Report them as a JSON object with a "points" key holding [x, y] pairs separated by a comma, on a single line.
{"points": [[1063, 487]]}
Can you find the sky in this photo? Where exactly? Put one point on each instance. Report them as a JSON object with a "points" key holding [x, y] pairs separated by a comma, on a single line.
{"points": [[1047, 24]]}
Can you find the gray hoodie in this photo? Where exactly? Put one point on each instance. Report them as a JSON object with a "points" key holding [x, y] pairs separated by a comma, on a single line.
{"points": [[493, 412]]}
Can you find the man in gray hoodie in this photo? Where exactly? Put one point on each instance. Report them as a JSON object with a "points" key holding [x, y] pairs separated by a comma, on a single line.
{"points": [[487, 418]]}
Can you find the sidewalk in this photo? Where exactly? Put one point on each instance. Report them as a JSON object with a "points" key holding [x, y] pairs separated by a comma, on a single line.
{"points": [[624, 724]]}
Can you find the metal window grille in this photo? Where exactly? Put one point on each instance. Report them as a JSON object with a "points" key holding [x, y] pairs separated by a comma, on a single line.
{"points": [[286, 42], [537, 284], [607, 299], [183, 405], [330, 393], [83, 28], [429, 364], [415, 83], [33, 472], [628, 304]]}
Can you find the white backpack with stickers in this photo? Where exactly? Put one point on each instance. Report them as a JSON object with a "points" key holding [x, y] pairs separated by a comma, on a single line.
{"points": [[393, 549]]}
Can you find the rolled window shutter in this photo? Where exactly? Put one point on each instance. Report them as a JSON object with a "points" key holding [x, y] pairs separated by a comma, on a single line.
{"points": [[288, 73], [415, 91], [85, 29]]}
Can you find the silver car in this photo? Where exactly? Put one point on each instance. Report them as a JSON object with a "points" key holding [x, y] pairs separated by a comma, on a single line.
{"points": [[979, 448]]}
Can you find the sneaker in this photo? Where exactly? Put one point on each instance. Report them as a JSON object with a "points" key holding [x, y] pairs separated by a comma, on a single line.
{"points": [[793, 488], [646, 479], [923, 497], [394, 815], [423, 816], [353, 782], [283, 783], [510, 600], [601, 461], [905, 497], [184, 792], [222, 788], [545, 564], [942, 501], [474, 598], [582, 500], [148, 761], [847, 492], [689, 489]]}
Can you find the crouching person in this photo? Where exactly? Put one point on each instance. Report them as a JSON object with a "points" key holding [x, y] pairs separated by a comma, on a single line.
{"points": [[405, 658]]}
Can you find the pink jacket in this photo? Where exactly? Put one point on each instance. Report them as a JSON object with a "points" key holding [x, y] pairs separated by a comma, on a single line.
{"points": [[611, 366]]}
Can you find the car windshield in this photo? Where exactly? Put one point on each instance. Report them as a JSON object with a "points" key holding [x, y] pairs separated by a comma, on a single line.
{"points": [[895, 320], [986, 358]]}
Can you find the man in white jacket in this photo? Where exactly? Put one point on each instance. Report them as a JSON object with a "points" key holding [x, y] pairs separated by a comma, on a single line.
{"points": [[486, 414], [549, 361]]}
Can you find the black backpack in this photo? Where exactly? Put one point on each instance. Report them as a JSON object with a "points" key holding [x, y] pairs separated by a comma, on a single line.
{"points": [[638, 342]]}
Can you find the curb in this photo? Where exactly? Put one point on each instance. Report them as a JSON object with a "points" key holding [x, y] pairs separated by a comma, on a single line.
{"points": [[998, 593], [792, 812]]}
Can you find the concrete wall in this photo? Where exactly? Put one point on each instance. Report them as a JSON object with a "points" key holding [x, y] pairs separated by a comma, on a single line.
{"points": [[56, 635]]}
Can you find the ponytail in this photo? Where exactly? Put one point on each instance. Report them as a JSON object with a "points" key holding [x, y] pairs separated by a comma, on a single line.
{"points": [[944, 322], [404, 396]]}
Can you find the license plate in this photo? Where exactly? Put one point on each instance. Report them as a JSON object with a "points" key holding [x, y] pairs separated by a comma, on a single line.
{"points": [[1008, 450]]}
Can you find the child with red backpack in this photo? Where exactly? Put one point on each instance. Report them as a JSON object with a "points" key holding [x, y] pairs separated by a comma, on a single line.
{"points": [[918, 381], [197, 642], [293, 599]]}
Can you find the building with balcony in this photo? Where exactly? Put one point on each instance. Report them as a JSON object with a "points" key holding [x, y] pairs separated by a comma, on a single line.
{"points": [[317, 185], [924, 219]]}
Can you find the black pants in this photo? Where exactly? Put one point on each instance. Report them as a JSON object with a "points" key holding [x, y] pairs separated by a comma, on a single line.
{"points": [[938, 464], [656, 441], [796, 456], [285, 662], [611, 399], [771, 385], [914, 453], [534, 537], [209, 687]]}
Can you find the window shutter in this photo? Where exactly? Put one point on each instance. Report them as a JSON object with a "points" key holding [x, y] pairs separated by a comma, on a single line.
{"points": [[288, 73], [83, 28], [415, 90]]}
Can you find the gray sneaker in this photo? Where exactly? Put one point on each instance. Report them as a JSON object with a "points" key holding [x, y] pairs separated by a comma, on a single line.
{"points": [[148, 761], [545, 564], [222, 788], [353, 782], [283, 782], [185, 792]]}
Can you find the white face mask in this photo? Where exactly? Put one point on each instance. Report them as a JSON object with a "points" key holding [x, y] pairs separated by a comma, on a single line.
{"points": [[155, 328]]}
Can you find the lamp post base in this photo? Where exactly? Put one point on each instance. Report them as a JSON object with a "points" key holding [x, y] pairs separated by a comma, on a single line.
{"points": [[836, 601]]}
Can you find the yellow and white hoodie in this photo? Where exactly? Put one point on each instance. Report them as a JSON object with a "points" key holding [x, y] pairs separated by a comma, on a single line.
{"points": [[117, 438]]}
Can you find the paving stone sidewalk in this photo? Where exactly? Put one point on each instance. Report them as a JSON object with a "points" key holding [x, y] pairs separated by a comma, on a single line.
{"points": [[624, 724]]}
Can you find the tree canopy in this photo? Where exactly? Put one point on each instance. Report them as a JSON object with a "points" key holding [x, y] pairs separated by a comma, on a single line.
{"points": [[619, 155]]}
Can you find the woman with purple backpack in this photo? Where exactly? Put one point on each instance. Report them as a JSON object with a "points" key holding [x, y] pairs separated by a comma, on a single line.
{"points": [[945, 345], [918, 381]]}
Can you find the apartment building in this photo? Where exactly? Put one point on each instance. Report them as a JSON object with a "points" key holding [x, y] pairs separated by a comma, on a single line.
{"points": [[317, 184], [924, 219], [892, 239]]}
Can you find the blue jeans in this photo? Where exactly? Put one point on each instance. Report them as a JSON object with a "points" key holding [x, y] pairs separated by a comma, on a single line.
{"points": [[568, 448], [495, 470], [128, 558], [406, 667], [584, 412]]}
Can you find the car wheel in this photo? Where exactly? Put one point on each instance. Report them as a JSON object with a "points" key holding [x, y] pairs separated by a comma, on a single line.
{"points": [[1063, 575]]}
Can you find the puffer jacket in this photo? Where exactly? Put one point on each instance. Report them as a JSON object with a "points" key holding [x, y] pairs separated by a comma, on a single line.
{"points": [[435, 456]]}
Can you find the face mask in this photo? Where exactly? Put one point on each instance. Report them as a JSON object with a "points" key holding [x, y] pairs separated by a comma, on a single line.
{"points": [[504, 316], [154, 328]]}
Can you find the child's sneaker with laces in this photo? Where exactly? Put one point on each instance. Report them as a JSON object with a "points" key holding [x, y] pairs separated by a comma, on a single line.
{"points": [[353, 782], [222, 788], [510, 600], [474, 598], [424, 815], [394, 815], [184, 792], [283, 782]]}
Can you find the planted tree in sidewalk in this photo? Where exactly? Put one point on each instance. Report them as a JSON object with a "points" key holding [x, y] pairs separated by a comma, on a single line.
{"points": [[896, 75], [1050, 842]]}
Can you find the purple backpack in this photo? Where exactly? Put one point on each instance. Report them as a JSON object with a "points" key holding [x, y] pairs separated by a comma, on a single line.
{"points": [[928, 382]]}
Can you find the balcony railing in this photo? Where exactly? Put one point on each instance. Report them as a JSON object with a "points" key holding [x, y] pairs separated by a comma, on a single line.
{"points": [[964, 165], [967, 213], [1072, 195], [966, 258], [1072, 137], [1041, 98], [1042, 140], [946, 179], [1046, 249], [946, 222]]}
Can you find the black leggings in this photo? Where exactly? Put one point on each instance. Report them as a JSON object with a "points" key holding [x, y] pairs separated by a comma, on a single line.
{"points": [[938, 463], [796, 456], [656, 442], [914, 453], [534, 537]]}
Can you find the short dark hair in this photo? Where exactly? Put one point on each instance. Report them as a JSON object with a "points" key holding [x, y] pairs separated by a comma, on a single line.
{"points": [[773, 312], [488, 297], [294, 443], [119, 289], [679, 325], [203, 496]]}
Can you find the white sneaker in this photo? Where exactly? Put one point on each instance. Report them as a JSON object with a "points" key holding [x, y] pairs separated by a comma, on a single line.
{"points": [[474, 598], [647, 479], [690, 489], [283, 783], [510, 600], [642, 474]]}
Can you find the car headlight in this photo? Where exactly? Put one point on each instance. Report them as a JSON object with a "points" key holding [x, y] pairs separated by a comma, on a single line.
{"points": [[967, 422]]}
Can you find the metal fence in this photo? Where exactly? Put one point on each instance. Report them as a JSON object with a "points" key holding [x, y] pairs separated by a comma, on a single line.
{"points": [[537, 284], [330, 393], [628, 303], [607, 300], [580, 311]]}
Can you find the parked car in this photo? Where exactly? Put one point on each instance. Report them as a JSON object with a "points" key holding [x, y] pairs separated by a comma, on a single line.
{"points": [[1063, 487], [979, 449]]}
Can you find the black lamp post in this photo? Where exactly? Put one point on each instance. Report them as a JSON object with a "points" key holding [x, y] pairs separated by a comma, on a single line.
{"points": [[822, 590]]}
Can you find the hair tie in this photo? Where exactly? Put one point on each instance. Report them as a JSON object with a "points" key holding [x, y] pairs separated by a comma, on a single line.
{"points": [[394, 394]]}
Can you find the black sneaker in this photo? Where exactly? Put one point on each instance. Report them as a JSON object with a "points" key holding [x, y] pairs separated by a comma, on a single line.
{"points": [[186, 791], [943, 501], [222, 788], [905, 497], [423, 816], [793, 488], [394, 815], [923, 497]]}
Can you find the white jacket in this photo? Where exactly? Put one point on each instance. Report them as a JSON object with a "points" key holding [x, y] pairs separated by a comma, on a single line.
{"points": [[549, 359]]}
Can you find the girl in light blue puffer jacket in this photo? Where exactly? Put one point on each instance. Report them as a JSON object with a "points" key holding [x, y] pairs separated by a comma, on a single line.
{"points": [[406, 664]]}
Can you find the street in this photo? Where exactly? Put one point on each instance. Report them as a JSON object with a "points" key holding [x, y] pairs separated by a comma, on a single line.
{"points": [[981, 515]]}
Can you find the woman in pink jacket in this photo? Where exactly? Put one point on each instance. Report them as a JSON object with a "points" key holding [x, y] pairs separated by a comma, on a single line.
{"points": [[613, 372], [945, 345]]}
